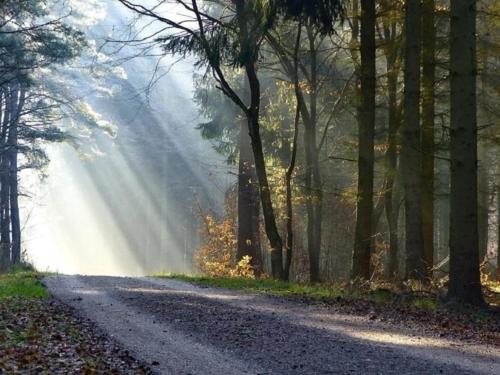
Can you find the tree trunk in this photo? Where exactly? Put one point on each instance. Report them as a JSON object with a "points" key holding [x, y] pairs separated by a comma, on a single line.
{"points": [[392, 212], [392, 166], [442, 210], [14, 210], [5, 243], [483, 204], [248, 204], [393, 56], [313, 204], [428, 113], [273, 235], [289, 203], [313, 171], [498, 229], [318, 215], [465, 283], [364, 212], [5, 216], [13, 178], [275, 240], [249, 51], [411, 152], [312, 174], [293, 159]]}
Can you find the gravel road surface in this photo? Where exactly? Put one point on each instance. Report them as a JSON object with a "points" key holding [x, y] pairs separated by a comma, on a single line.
{"points": [[178, 328]]}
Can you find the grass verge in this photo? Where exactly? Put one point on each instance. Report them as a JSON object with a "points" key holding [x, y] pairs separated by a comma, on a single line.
{"points": [[39, 335], [23, 284], [315, 292], [384, 293], [268, 286]]}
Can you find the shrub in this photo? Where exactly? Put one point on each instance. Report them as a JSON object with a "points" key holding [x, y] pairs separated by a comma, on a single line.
{"points": [[216, 257]]}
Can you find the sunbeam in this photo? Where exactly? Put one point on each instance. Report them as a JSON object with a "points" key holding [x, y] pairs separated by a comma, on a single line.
{"points": [[131, 209]]}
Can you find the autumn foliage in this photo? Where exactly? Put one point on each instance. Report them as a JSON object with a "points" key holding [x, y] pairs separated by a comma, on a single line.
{"points": [[216, 257]]}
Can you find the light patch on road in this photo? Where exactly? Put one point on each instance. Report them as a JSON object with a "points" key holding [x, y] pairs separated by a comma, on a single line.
{"points": [[92, 292], [196, 294]]}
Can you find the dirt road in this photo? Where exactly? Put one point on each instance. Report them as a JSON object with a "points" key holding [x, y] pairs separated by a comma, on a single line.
{"points": [[179, 328]]}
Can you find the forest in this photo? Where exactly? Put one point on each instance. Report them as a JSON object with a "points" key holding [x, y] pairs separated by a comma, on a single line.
{"points": [[341, 149], [358, 150], [364, 151]]}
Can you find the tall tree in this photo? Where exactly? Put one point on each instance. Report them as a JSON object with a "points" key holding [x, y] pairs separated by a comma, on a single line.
{"points": [[310, 114], [5, 243], [391, 47], [366, 131], [319, 18], [307, 105], [215, 41], [411, 152], [248, 203], [428, 114], [28, 103], [313, 171], [248, 56], [293, 159], [289, 203], [12, 155], [465, 283]]}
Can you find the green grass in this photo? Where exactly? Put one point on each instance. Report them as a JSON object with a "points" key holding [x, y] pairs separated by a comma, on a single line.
{"points": [[22, 284], [269, 286], [381, 296], [425, 303], [312, 291]]}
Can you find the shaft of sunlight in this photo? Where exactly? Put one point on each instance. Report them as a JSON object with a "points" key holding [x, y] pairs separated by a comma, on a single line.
{"points": [[131, 209]]}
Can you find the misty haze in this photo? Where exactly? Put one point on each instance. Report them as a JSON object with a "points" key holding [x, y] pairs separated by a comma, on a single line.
{"points": [[249, 187]]}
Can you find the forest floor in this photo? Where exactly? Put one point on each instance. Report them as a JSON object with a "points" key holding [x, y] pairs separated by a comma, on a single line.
{"points": [[177, 327], [41, 335]]}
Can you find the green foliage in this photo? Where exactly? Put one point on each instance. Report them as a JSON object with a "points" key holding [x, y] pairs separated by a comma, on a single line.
{"points": [[23, 8], [24, 284], [221, 127], [50, 134], [219, 49], [322, 13], [37, 48], [24, 49], [234, 39]]}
